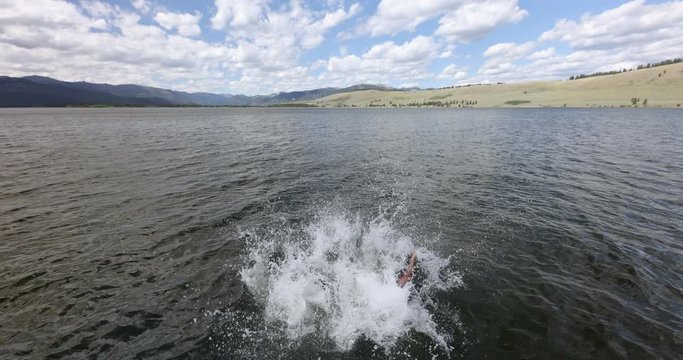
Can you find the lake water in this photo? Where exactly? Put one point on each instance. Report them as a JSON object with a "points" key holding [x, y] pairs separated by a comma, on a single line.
{"points": [[278, 233]]}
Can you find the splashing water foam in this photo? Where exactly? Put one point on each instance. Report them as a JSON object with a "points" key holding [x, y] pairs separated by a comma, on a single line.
{"points": [[338, 279]]}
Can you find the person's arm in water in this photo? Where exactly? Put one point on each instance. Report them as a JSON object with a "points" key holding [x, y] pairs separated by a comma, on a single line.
{"points": [[408, 273]]}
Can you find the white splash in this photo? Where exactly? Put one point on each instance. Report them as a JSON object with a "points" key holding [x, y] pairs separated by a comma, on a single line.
{"points": [[338, 279]]}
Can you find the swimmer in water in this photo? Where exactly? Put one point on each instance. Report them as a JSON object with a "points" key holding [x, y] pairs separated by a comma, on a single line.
{"points": [[407, 275]]}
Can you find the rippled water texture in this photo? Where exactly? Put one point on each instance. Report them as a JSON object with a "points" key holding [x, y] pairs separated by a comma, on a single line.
{"points": [[278, 233]]}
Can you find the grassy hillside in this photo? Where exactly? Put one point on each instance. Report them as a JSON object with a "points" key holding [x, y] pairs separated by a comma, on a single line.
{"points": [[662, 87]]}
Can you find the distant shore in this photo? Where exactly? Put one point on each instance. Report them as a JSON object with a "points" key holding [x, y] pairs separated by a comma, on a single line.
{"points": [[655, 87]]}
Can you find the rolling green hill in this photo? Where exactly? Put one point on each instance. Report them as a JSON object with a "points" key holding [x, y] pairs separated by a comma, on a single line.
{"points": [[660, 86]]}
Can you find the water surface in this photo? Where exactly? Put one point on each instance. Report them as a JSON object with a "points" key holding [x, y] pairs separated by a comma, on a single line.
{"points": [[277, 233]]}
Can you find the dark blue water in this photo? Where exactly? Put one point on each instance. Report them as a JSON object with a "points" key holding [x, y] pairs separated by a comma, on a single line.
{"points": [[132, 233]]}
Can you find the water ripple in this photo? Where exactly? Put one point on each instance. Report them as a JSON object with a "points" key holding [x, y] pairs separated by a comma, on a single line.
{"points": [[123, 229]]}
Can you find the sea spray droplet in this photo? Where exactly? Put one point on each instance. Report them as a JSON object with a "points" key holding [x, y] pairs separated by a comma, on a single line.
{"points": [[337, 279]]}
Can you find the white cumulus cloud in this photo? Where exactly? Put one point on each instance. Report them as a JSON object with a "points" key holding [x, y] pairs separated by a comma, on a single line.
{"points": [[453, 73], [394, 16], [632, 24], [459, 20], [509, 50], [475, 19], [543, 54], [142, 5], [238, 13], [185, 24], [384, 63]]}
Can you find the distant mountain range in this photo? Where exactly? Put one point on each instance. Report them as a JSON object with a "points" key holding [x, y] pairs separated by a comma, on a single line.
{"points": [[37, 91]]}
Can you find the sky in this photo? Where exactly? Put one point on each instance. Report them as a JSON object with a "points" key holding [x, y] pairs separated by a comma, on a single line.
{"points": [[267, 46]]}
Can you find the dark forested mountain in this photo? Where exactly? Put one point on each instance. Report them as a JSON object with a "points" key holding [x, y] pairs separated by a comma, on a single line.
{"points": [[48, 92], [44, 91]]}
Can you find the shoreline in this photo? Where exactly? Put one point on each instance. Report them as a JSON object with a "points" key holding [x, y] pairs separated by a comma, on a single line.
{"points": [[654, 87]]}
